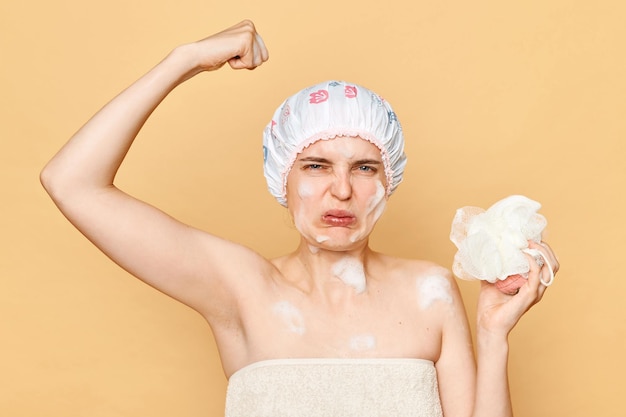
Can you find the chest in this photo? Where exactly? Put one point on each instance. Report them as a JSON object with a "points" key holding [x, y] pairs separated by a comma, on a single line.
{"points": [[286, 327]]}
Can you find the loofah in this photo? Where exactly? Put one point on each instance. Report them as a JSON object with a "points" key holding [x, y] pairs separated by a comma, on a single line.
{"points": [[492, 243]]}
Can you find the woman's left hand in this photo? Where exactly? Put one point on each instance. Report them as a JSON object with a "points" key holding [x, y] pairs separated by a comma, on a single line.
{"points": [[497, 312]]}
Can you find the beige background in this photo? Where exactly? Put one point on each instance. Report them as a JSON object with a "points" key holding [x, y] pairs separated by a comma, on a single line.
{"points": [[496, 98]]}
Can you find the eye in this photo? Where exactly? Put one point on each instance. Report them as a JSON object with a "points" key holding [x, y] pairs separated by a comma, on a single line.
{"points": [[313, 166], [367, 169]]}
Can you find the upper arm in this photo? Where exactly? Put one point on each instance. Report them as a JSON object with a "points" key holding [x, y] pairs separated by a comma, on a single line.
{"points": [[192, 266], [456, 369]]}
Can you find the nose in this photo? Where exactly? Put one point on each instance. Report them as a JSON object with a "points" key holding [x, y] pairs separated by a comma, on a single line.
{"points": [[341, 187]]}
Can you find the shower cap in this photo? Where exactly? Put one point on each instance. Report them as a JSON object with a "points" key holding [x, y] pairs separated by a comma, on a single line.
{"points": [[491, 243], [325, 111]]}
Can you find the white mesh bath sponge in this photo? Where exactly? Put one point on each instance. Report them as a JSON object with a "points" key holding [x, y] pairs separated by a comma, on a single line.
{"points": [[491, 243]]}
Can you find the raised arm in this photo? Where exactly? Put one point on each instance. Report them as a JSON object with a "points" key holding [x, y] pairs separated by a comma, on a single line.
{"points": [[184, 263]]}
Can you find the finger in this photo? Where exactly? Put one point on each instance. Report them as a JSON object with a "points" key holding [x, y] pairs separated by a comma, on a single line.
{"points": [[262, 48], [544, 266], [548, 254], [534, 279], [544, 248], [541, 289], [256, 55], [552, 255], [235, 62], [251, 57], [260, 54], [244, 60]]}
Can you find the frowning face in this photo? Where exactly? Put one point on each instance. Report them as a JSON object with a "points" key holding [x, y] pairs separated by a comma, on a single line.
{"points": [[336, 192]]}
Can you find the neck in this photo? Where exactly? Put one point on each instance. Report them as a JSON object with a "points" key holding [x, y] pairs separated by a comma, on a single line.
{"points": [[334, 274]]}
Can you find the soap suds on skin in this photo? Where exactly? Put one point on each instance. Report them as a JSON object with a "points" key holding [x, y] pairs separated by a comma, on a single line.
{"points": [[363, 342], [291, 316], [375, 208], [431, 289], [313, 249], [351, 272], [305, 190], [347, 153], [301, 229], [378, 202]]}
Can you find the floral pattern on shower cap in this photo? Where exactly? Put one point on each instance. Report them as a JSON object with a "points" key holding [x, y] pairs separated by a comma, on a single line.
{"points": [[325, 111]]}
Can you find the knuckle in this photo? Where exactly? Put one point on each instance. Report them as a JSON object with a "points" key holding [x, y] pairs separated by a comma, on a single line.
{"points": [[249, 26]]}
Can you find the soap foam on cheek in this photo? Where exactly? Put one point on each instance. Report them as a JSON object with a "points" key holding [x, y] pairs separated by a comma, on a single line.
{"points": [[300, 228], [351, 272], [363, 342], [375, 206], [431, 289], [378, 202], [291, 316], [305, 190]]}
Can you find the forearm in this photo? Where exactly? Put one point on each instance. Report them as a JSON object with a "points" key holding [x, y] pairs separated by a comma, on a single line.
{"points": [[493, 397], [93, 155], [90, 160]]}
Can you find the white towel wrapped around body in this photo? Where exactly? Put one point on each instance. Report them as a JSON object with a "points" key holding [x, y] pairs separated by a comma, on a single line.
{"points": [[334, 387]]}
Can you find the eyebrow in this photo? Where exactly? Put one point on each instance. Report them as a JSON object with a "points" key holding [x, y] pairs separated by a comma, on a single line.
{"points": [[314, 159], [368, 162], [326, 161]]}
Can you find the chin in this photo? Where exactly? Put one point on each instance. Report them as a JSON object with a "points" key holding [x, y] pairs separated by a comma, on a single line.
{"points": [[339, 244]]}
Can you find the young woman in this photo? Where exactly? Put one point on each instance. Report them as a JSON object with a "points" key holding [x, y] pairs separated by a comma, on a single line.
{"points": [[333, 328]]}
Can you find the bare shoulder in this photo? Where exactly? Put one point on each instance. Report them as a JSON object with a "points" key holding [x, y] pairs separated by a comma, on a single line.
{"points": [[413, 269], [432, 284]]}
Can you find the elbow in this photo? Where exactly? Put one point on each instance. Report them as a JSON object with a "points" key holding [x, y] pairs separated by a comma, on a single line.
{"points": [[52, 180], [68, 185], [46, 178]]}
